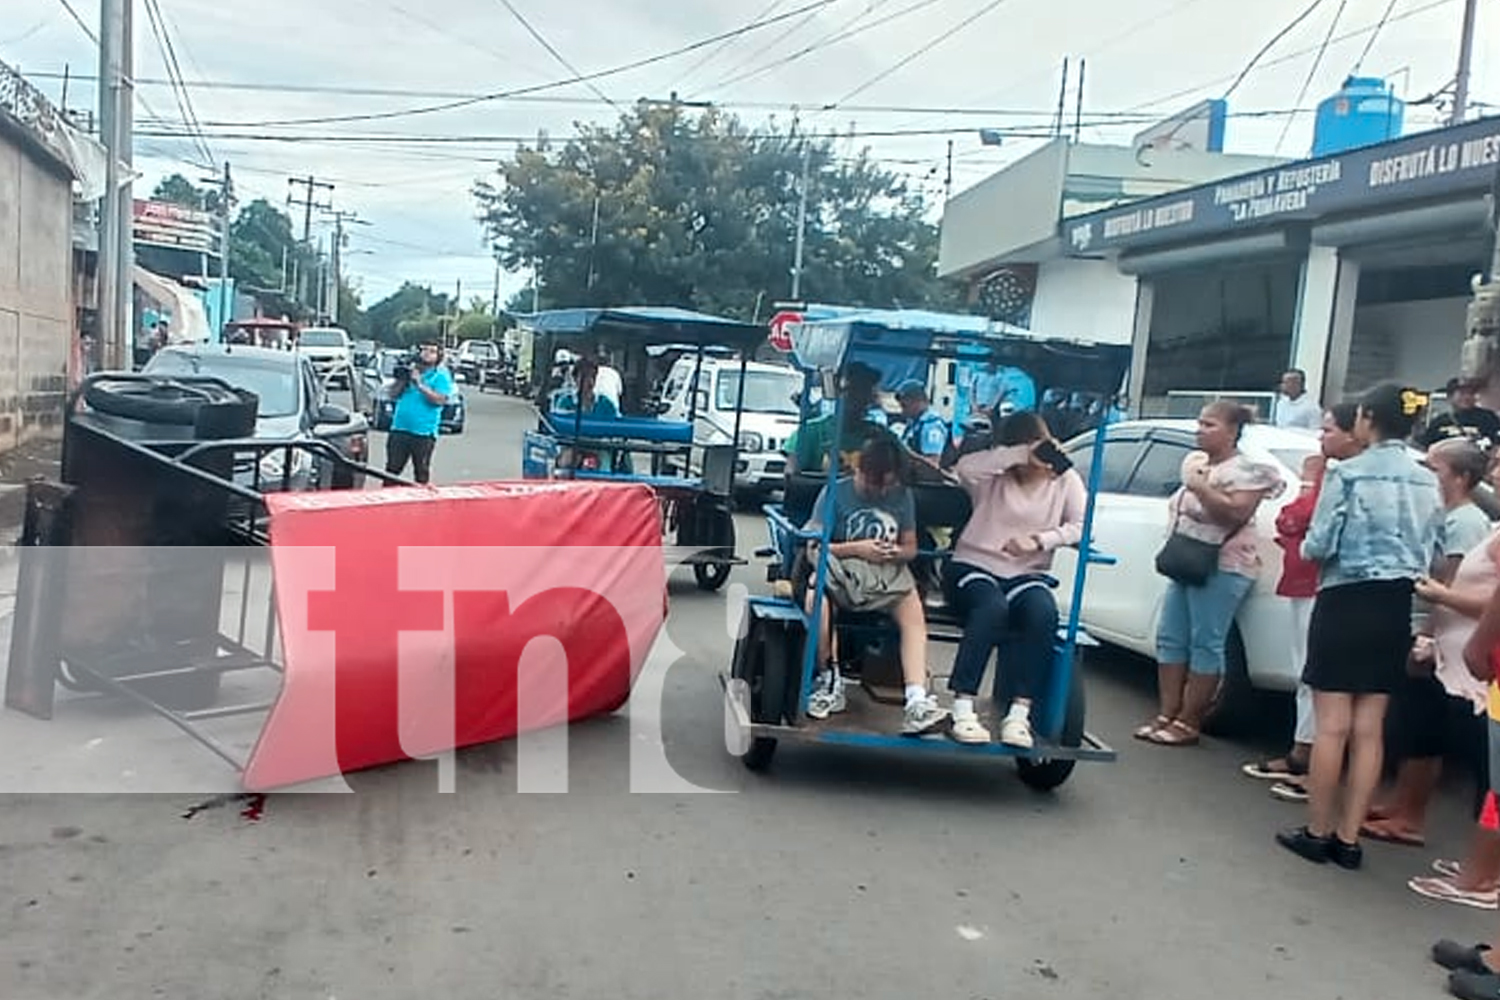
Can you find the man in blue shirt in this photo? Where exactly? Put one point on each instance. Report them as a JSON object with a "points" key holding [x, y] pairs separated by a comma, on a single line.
{"points": [[926, 434], [415, 424]]}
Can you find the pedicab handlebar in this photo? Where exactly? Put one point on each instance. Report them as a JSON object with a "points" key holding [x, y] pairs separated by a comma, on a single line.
{"points": [[786, 528]]}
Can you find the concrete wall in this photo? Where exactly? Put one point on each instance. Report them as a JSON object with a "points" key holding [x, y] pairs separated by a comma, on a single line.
{"points": [[36, 309], [1085, 300], [1415, 342]]}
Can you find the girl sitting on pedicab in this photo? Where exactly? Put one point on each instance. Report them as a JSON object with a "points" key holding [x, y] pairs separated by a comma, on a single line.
{"points": [[1027, 503]]}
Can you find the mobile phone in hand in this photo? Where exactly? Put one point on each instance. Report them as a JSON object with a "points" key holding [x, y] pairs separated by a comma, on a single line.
{"points": [[1049, 452]]}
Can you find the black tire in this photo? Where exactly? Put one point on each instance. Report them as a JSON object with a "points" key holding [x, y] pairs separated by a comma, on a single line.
{"points": [[1047, 775], [764, 660], [1237, 708], [710, 576], [156, 402]]}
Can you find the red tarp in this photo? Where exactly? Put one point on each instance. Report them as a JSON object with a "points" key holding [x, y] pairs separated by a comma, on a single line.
{"points": [[405, 613]]}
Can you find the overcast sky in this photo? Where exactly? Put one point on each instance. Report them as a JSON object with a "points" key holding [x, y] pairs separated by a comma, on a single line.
{"points": [[1146, 58]]}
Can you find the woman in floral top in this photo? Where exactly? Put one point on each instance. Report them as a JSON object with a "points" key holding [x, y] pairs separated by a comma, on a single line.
{"points": [[1221, 490]]}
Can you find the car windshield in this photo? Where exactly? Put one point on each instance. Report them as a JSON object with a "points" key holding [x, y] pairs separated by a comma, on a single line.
{"points": [[484, 350], [765, 392], [321, 338], [274, 384]]}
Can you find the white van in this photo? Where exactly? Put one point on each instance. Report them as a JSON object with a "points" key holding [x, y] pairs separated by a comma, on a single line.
{"points": [[769, 414]]}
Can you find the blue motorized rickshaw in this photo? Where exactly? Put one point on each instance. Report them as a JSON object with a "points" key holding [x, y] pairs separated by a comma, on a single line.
{"points": [[771, 679], [689, 463]]}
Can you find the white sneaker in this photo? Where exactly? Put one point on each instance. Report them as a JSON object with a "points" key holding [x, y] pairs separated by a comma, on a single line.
{"points": [[1016, 732], [828, 699], [968, 729], [923, 716]]}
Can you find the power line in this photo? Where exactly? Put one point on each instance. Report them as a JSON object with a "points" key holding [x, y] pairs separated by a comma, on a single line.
{"points": [[179, 87], [722, 47], [1280, 60], [436, 28], [730, 77], [1312, 72], [917, 53], [68, 6], [552, 49], [1370, 42], [555, 84], [825, 42], [1272, 43], [1039, 129]]}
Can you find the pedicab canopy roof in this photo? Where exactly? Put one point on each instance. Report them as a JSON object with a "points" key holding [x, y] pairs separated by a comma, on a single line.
{"points": [[902, 344], [647, 325]]}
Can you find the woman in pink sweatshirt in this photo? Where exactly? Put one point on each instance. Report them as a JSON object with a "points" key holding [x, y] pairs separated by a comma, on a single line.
{"points": [[1024, 510]]}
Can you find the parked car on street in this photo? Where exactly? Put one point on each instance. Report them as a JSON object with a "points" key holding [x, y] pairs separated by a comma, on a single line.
{"points": [[478, 362], [331, 352], [1122, 603], [294, 405]]}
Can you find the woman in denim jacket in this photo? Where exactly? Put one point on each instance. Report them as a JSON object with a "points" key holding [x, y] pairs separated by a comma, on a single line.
{"points": [[1372, 533]]}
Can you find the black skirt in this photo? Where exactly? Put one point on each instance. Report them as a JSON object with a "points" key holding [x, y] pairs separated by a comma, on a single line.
{"points": [[1359, 638]]}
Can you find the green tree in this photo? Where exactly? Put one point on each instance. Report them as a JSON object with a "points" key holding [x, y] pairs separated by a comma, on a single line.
{"points": [[409, 302], [700, 212]]}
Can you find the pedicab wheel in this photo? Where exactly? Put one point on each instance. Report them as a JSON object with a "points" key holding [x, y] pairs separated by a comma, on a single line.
{"points": [[710, 576], [1044, 775], [762, 662]]}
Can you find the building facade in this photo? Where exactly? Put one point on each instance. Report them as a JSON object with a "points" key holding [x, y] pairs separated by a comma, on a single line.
{"points": [[41, 159]]}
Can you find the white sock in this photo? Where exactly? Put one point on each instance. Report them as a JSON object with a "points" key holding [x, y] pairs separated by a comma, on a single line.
{"points": [[915, 693], [963, 706], [1019, 710]]}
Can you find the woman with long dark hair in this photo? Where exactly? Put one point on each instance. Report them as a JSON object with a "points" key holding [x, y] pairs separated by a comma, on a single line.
{"points": [[1373, 533]]}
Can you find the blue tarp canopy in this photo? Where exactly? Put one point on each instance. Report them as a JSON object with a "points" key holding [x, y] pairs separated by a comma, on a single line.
{"points": [[897, 341], [645, 325]]}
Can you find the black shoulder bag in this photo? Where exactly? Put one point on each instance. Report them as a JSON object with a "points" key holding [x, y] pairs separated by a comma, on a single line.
{"points": [[1191, 561]]}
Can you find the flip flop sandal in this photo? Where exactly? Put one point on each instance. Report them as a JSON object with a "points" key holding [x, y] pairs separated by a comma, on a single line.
{"points": [[1274, 769], [1388, 836], [1149, 729], [1176, 734]]}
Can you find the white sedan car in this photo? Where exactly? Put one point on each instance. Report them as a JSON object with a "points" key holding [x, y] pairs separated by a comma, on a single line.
{"points": [[1122, 603]]}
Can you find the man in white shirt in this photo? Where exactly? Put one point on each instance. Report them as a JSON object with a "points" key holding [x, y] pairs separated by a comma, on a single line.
{"points": [[1295, 407], [608, 383]]}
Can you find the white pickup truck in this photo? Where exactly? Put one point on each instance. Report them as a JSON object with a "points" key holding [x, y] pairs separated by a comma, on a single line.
{"points": [[331, 352]]}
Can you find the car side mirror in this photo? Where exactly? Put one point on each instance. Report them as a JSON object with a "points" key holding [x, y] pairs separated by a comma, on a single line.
{"points": [[330, 414]]}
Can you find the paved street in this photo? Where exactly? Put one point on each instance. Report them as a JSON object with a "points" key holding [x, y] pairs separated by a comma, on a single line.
{"points": [[837, 875]]}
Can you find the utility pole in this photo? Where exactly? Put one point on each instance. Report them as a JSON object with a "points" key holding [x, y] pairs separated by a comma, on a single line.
{"points": [[593, 243], [225, 185], [801, 227], [948, 180], [116, 279], [1465, 57], [310, 185], [495, 303], [339, 241]]}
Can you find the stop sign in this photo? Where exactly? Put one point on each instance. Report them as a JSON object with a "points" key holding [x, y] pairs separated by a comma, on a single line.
{"points": [[781, 330]]}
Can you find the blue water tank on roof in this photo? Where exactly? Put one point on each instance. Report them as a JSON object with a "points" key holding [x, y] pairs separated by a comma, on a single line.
{"points": [[1363, 113]]}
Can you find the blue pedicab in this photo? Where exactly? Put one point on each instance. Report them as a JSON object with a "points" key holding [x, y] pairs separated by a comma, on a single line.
{"points": [[689, 464], [771, 678]]}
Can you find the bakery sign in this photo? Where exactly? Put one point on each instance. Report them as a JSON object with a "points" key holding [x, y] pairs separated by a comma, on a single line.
{"points": [[1433, 164], [163, 224]]}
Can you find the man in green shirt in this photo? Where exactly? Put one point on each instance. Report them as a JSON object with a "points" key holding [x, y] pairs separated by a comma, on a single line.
{"points": [[807, 448]]}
